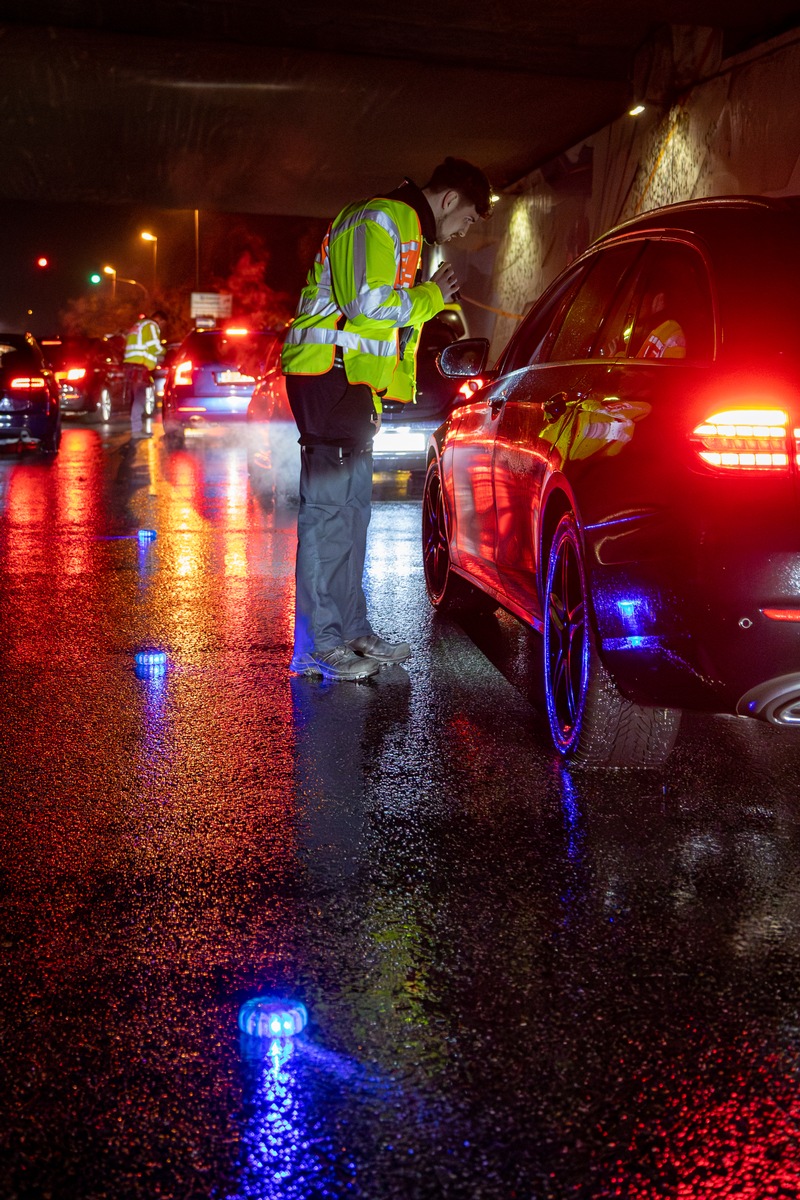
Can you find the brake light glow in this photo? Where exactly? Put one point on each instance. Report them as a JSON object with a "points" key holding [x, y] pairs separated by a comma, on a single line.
{"points": [[191, 408], [782, 614], [236, 332], [469, 386], [753, 439], [27, 383], [72, 375], [183, 373]]}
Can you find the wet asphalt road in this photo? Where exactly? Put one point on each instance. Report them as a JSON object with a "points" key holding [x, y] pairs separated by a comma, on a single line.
{"points": [[521, 983]]}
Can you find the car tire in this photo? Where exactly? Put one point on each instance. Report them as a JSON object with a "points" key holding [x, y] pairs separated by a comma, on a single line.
{"points": [[149, 401], [590, 722], [447, 591]]}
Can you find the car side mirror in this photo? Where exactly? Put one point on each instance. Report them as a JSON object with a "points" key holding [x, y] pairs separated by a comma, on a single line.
{"points": [[464, 359]]}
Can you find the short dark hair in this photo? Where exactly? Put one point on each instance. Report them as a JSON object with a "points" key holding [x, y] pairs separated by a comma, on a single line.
{"points": [[463, 177], [159, 315]]}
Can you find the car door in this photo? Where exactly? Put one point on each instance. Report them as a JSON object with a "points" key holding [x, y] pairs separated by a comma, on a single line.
{"points": [[538, 404], [469, 453]]}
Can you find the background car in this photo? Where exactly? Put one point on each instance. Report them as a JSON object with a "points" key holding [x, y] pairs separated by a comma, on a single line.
{"points": [[626, 479], [171, 351], [273, 449], [89, 374], [29, 401], [212, 379], [401, 444]]}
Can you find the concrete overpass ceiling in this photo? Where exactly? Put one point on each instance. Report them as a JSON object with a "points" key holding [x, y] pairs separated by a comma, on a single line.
{"points": [[250, 106]]}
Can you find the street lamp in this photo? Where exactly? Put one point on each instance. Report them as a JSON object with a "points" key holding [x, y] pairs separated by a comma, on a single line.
{"points": [[151, 237], [110, 271], [114, 277]]}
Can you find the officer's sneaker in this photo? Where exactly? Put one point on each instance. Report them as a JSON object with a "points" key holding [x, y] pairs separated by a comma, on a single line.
{"points": [[378, 648], [339, 663]]}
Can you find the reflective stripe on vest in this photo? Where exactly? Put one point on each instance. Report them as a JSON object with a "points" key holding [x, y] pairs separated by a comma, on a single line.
{"points": [[137, 350], [338, 337], [359, 293]]}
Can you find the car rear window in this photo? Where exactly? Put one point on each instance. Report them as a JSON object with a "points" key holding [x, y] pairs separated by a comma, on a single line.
{"points": [[246, 352], [16, 356]]}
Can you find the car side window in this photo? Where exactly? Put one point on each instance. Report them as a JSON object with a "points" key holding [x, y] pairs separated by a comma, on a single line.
{"points": [[615, 332], [582, 322], [534, 337], [675, 317]]}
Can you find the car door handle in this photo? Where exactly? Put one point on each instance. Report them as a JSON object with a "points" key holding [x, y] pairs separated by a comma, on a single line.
{"points": [[556, 406]]}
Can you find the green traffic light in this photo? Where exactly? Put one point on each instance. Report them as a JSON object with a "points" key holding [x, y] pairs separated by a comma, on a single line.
{"points": [[95, 278]]}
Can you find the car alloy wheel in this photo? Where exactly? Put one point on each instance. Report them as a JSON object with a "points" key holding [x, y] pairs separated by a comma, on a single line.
{"points": [[104, 405], [149, 401], [566, 637], [591, 723], [435, 553]]}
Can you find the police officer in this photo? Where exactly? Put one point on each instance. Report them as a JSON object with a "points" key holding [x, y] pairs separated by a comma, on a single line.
{"points": [[352, 343], [143, 352]]}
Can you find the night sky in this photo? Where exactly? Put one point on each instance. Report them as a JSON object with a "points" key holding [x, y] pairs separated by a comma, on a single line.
{"points": [[79, 239]]}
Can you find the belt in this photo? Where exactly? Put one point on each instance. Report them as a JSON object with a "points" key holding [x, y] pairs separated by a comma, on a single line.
{"points": [[344, 451]]}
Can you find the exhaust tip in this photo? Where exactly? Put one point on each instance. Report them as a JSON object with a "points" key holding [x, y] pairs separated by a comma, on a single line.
{"points": [[776, 701]]}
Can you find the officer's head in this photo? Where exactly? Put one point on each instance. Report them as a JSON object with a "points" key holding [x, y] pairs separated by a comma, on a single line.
{"points": [[459, 193]]}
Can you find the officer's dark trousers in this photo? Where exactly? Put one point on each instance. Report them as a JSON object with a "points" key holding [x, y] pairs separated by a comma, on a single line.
{"points": [[335, 499]]}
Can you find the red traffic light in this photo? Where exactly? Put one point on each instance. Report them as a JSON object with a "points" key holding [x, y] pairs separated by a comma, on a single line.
{"points": [[42, 261]]}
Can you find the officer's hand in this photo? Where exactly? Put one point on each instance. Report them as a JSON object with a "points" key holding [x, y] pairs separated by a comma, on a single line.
{"points": [[445, 280]]}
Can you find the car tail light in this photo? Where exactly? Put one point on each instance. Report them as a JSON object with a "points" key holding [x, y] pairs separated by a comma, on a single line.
{"points": [[782, 614], [469, 386], [183, 373], [236, 331], [750, 439], [72, 375], [26, 383]]}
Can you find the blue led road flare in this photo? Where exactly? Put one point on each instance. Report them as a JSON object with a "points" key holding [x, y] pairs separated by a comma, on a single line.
{"points": [[265, 1016], [151, 660], [146, 535]]}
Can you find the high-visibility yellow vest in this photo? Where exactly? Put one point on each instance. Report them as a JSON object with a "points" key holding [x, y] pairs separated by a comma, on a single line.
{"points": [[143, 344], [359, 294]]}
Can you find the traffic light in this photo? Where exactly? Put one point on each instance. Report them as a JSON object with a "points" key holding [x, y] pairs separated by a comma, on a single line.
{"points": [[42, 261], [95, 278]]}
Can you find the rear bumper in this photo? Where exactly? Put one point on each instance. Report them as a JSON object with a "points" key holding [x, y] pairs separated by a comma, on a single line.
{"points": [[690, 630], [76, 402], [202, 420], [26, 427]]}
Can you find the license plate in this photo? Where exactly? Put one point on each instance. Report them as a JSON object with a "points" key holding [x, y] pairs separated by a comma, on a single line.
{"points": [[398, 441], [234, 377]]}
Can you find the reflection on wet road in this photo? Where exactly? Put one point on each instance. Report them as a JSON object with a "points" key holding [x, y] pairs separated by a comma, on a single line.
{"points": [[521, 982]]}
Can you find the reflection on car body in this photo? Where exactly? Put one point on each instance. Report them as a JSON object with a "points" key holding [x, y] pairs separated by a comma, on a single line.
{"points": [[626, 479]]}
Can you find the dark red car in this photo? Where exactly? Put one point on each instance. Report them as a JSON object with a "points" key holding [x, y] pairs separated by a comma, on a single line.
{"points": [[626, 479], [89, 374]]}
